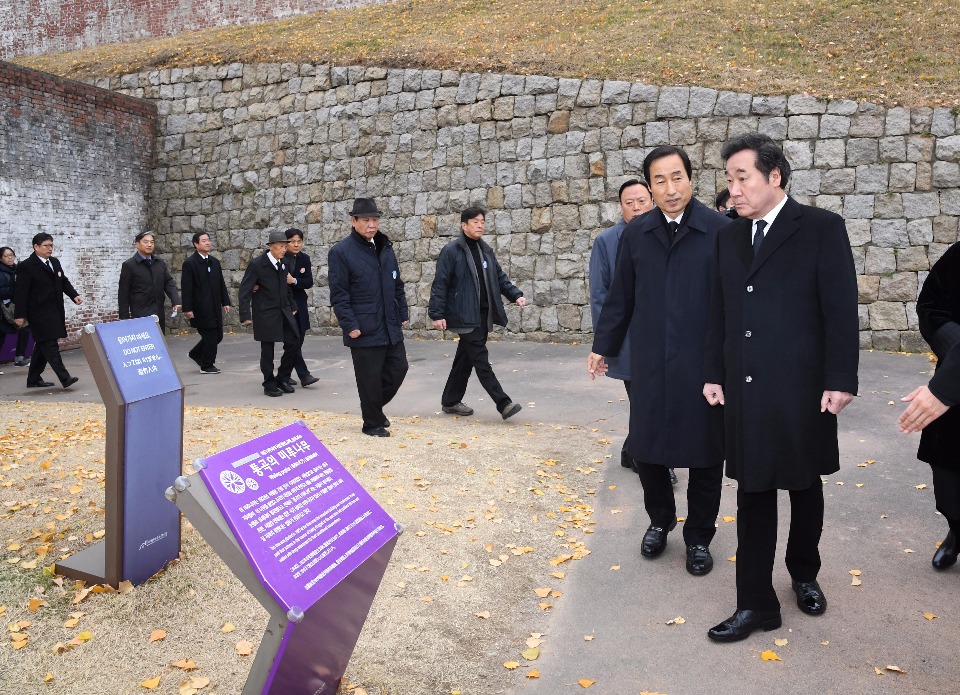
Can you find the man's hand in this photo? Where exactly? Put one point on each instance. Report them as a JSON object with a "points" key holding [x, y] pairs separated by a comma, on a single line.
{"points": [[835, 401], [404, 324], [440, 324], [19, 322], [226, 310], [355, 333], [714, 394], [596, 365], [78, 300], [176, 308], [522, 302], [924, 408], [291, 280], [247, 322], [188, 315], [255, 288]]}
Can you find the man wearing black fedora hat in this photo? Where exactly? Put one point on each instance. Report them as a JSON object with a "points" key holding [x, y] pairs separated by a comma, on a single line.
{"points": [[367, 296], [266, 285]]}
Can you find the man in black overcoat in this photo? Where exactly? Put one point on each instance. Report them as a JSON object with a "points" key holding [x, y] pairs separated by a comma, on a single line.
{"points": [[933, 408], [266, 284], [38, 298], [144, 279], [782, 356], [298, 264], [205, 301], [660, 295], [367, 295]]}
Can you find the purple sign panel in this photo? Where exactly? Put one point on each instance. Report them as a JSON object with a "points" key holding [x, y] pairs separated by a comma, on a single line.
{"points": [[138, 358], [302, 520]]}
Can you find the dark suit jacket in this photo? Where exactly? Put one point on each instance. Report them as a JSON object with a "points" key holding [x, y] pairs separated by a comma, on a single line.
{"points": [[38, 296], [783, 329], [301, 270], [142, 286], [272, 302], [204, 291]]}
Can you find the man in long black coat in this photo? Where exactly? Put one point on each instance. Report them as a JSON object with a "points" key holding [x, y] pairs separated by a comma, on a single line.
{"points": [[782, 355], [205, 301], [298, 263], [266, 284], [660, 294], [38, 298], [367, 295], [933, 408], [144, 279]]}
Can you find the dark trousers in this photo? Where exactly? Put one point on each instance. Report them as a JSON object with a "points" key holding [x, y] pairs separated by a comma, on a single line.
{"points": [[472, 355], [287, 359], [379, 371], [757, 543], [300, 364], [44, 352], [204, 353], [703, 500], [23, 337], [946, 491], [624, 456]]}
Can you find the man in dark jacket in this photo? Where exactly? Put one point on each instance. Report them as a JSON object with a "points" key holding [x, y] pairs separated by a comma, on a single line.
{"points": [[934, 408], [143, 282], [266, 283], [38, 298], [660, 296], [205, 301], [465, 299], [368, 299], [782, 355], [298, 263]]}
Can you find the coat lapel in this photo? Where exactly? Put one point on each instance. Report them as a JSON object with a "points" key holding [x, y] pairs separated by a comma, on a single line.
{"points": [[742, 229], [783, 227], [652, 223]]}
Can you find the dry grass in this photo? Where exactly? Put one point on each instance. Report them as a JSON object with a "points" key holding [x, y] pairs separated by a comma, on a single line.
{"points": [[894, 52], [468, 492]]}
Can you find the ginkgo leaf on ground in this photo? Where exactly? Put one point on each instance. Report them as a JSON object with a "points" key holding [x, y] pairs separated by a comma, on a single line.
{"points": [[530, 654], [769, 655], [244, 648], [511, 664], [929, 616], [185, 664], [158, 635], [533, 673], [228, 627], [781, 642], [896, 669], [585, 682], [151, 683]]}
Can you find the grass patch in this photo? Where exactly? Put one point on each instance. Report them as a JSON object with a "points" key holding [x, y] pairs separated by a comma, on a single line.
{"points": [[892, 53]]}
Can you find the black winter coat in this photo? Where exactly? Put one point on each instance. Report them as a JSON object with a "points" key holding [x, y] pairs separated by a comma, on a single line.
{"points": [[783, 329], [204, 291], [938, 309], [142, 287], [455, 293], [366, 291], [660, 295], [302, 271], [38, 296], [7, 280], [272, 302]]}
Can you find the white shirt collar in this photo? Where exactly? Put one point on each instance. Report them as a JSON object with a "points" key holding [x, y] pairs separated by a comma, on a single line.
{"points": [[771, 216], [673, 219]]}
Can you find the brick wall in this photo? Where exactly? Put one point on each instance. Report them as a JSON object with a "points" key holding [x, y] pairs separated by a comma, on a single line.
{"points": [[30, 27], [243, 149], [75, 162]]}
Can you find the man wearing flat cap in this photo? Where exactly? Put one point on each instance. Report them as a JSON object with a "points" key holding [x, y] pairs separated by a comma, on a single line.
{"points": [[266, 284], [367, 296]]}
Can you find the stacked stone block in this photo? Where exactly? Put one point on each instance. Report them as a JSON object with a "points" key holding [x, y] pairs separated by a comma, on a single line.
{"points": [[243, 149]]}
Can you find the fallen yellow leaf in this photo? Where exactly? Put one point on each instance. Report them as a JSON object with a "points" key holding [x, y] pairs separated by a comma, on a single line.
{"points": [[728, 519], [896, 669], [185, 664], [151, 683], [530, 654], [533, 673], [781, 642], [769, 655], [228, 627], [929, 616], [511, 664], [157, 635], [244, 648], [35, 603], [585, 682]]}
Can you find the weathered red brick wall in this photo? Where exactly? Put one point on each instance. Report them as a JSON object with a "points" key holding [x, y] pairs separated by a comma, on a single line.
{"points": [[30, 27], [75, 162]]}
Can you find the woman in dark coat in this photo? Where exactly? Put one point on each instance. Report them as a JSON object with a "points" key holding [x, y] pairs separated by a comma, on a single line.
{"points": [[933, 408]]}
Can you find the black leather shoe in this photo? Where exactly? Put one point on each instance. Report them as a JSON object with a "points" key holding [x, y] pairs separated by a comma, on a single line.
{"points": [[39, 385], [386, 422], [810, 598], [673, 477], [946, 554], [70, 381], [510, 409], [286, 386], [699, 560], [655, 540], [309, 379], [272, 390], [376, 432], [739, 625]]}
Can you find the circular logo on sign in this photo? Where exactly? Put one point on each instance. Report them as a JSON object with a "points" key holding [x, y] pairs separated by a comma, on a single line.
{"points": [[252, 484], [232, 481]]}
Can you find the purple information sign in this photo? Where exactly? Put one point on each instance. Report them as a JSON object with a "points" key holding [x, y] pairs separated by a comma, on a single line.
{"points": [[302, 520], [138, 358]]}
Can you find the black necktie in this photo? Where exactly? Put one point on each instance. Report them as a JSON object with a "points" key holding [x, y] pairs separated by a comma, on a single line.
{"points": [[758, 236], [673, 227], [49, 265]]}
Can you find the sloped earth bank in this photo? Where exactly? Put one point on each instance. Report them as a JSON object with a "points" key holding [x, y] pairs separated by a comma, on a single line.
{"points": [[495, 516]]}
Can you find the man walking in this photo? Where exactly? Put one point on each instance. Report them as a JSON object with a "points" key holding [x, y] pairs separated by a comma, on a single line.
{"points": [[298, 264], [266, 284], [38, 298], [465, 299], [368, 299], [782, 356], [205, 301], [661, 295], [143, 282], [635, 199]]}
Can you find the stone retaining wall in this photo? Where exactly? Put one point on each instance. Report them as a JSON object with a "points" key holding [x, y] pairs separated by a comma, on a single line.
{"points": [[243, 149]]}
